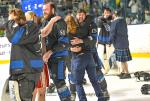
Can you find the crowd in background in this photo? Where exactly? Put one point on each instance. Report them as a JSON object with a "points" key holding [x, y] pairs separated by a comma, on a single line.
{"points": [[135, 11]]}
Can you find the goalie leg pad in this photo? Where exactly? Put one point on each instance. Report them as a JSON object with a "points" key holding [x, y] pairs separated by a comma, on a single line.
{"points": [[14, 91]]}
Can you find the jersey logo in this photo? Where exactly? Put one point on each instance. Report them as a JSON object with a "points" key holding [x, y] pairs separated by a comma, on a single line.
{"points": [[62, 32], [94, 30], [107, 27]]}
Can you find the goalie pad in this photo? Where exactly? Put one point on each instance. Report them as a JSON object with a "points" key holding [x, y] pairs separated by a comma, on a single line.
{"points": [[14, 91]]}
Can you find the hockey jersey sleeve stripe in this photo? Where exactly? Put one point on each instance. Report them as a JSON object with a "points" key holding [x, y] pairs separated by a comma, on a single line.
{"points": [[17, 36], [36, 63], [17, 64], [95, 36], [61, 70], [63, 40], [103, 39], [60, 53]]}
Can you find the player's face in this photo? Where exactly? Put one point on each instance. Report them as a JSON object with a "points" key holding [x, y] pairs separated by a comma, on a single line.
{"points": [[106, 13], [81, 17], [47, 11]]}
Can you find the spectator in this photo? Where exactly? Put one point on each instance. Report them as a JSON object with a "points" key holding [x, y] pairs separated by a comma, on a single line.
{"points": [[147, 17], [135, 6], [134, 20], [26, 60], [145, 4], [1, 32], [128, 20]]}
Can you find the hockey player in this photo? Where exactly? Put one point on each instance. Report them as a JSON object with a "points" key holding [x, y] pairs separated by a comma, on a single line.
{"points": [[82, 57], [26, 62], [103, 38], [56, 51]]}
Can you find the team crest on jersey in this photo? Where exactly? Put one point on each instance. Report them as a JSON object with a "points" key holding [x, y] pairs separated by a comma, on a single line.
{"points": [[94, 30], [107, 27], [62, 32]]}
